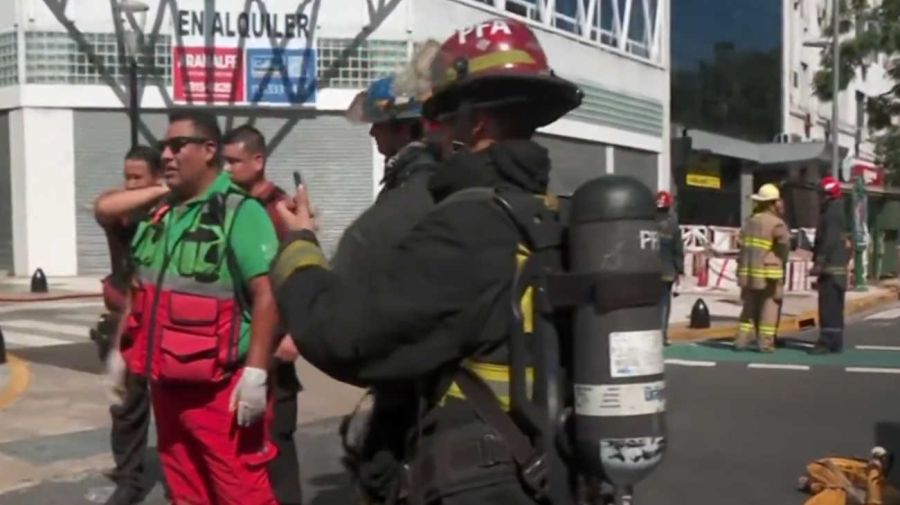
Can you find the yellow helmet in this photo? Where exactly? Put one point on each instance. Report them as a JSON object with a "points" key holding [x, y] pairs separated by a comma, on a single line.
{"points": [[767, 193]]}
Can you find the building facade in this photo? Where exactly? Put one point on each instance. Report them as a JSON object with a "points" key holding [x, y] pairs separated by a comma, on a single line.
{"points": [[806, 117], [745, 111], [290, 67]]}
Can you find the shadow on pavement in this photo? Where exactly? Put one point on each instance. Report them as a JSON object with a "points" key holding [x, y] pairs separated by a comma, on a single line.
{"points": [[727, 343], [81, 357], [331, 489]]}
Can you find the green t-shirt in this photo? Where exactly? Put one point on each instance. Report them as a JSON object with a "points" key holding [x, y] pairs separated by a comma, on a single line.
{"points": [[251, 237]]}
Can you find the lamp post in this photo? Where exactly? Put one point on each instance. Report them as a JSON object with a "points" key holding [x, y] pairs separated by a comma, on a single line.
{"points": [[835, 83], [134, 13]]}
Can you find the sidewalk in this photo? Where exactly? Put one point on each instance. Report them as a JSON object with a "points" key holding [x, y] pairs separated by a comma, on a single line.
{"points": [[18, 289], [800, 310]]}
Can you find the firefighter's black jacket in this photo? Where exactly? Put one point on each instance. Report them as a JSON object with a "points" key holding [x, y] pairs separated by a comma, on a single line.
{"points": [[374, 459], [426, 307], [830, 253], [401, 204]]}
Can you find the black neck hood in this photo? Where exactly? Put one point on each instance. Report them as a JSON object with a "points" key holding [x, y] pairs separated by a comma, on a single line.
{"points": [[521, 164]]}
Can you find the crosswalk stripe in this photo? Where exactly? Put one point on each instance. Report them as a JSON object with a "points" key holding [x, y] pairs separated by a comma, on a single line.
{"points": [[687, 362], [872, 370], [35, 306], [83, 317], [878, 347], [777, 366], [19, 339], [46, 327], [886, 314]]}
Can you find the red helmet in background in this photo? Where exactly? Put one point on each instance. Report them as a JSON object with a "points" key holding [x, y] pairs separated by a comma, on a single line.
{"points": [[494, 63], [663, 200], [831, 187]]}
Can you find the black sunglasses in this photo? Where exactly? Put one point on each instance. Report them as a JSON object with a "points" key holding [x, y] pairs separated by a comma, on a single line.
{"points": [[177, 143]]}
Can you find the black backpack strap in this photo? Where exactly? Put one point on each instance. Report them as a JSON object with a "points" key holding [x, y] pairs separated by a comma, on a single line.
{"points": [[530, 215], [531, 462]]}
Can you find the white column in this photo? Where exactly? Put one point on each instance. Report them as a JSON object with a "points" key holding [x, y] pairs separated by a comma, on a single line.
{"points": [[746, 190], [377, 169], [664, 167], [610, 159], [42, 155], [791, 45]]}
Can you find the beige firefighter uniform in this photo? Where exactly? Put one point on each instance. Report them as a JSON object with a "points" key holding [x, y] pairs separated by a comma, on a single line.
{"points": [[845, 481], [765, 243]]}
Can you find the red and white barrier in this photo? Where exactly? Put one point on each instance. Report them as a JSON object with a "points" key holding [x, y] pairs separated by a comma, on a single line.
{"points": [[720, 272]]}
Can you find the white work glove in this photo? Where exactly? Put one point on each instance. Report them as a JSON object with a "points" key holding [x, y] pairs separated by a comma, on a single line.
{"points": [[249, 397], [114, 378]]}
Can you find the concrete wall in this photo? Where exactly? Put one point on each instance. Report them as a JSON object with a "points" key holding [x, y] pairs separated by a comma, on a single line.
{"points": [[8, 15], [43, 191], [6, 252]]}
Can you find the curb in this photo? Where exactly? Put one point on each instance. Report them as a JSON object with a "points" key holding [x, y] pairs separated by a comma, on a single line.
{"points": [[789, 324], [46, 298], [17, 383]]}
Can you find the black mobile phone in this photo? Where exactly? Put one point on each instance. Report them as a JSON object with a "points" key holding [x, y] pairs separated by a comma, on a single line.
{"points": [[298, 180]]}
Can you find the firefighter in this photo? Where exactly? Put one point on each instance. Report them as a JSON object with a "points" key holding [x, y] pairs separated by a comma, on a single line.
{"points": [[393, 107], [441, 301], [830, 257], [202, 261], [374, 445], [244, 152], [130, 411], [765, 242], [671, 249]]}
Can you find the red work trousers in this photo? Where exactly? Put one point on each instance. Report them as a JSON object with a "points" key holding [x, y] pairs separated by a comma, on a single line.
{"points": [[206, 457]]}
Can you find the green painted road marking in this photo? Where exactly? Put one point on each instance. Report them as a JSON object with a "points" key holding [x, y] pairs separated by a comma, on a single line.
{"points": [[713, 351]]}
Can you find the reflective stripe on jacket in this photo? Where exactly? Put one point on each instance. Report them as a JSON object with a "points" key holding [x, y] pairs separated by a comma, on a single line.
{"points": [[765, 244], [496, 374], [186, 317]]}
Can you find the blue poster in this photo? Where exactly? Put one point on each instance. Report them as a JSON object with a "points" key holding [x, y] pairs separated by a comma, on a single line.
{"points": [[281, 76]]}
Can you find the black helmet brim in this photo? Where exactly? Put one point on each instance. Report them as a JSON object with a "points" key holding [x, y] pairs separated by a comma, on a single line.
{"points": [[548, 97]]}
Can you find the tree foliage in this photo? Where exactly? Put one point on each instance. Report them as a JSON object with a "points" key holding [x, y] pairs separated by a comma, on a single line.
{"points": [[875, 42]]}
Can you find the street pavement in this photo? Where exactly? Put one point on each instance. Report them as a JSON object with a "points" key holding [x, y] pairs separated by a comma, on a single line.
{"points": [[741, 426]]}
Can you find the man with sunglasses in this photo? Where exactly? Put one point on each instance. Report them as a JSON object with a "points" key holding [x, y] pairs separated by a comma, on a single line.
{"points": [[244, 150], [203, 321]]}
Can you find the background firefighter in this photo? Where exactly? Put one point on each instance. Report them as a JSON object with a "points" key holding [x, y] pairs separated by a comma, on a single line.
{"points": [[831, 253], [441, 301], [765, 244], [375, 444], [671, 250]]}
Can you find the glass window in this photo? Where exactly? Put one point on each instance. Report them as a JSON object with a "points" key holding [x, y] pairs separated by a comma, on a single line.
{"points": [[362, 65], [566, 14], [726, 66], [9, 65], [53, 57]]}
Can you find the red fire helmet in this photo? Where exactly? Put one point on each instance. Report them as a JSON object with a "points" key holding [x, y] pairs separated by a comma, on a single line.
{"points": [[663, 200], [494, 63], [831, 186]]}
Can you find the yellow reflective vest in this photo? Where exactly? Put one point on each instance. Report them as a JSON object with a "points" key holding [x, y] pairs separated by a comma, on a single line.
{"points": [[765, 244]]}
